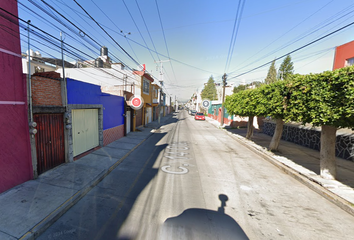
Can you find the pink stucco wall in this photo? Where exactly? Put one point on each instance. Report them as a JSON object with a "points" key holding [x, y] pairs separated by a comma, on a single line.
{"points": [[15, 153], [343, 53]]}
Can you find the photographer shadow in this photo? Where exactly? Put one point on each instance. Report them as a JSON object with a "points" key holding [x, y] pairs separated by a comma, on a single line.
{"points": [[196, 223]]}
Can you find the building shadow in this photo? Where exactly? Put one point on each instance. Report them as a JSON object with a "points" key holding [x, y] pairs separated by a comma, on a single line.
{"points": [[197, 223], [104, 210]]}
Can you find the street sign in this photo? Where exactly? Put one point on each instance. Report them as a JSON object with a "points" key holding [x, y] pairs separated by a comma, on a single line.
{"points": [[136, 102], [206, 103]]}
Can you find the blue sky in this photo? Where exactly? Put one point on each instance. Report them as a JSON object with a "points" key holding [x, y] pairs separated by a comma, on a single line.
{"points": [[198, 35]]}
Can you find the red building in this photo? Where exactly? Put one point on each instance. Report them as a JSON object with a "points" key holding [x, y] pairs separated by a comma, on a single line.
{"points": [[344, 55], [15, 153]]}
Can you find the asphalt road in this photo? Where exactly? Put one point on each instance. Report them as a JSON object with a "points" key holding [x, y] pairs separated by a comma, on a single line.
{"points": [[190, 180]]}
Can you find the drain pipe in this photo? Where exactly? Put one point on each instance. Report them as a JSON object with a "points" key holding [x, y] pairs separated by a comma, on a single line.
{"points": [[29, 72], [32, 124]]}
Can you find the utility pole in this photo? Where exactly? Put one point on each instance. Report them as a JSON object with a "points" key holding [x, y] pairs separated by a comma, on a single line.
{"points": [[224, 77], [63, 66], [161, 83]]}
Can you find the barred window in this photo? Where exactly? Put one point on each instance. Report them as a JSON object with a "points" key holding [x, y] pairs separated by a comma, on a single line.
{"points": [[146, 86]]}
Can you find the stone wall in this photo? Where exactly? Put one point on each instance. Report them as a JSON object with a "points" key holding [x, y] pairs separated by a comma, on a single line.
{"points": [[311, 138]]}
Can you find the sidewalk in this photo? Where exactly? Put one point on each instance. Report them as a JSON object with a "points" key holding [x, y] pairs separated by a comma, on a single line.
{"points": [[303, 164], [29, 209]]}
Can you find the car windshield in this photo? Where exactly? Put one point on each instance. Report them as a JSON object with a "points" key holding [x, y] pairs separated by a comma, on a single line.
{"points": [[200, 114]]}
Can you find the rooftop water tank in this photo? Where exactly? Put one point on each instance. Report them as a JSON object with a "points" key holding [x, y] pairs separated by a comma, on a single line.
{"points": [[104, 51], [99, 63]]}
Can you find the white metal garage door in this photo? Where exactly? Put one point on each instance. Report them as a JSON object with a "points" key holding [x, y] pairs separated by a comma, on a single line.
{"points": [[85, 130]]}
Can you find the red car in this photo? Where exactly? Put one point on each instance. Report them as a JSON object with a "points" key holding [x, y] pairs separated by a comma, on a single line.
{"points": [[199, 116]]}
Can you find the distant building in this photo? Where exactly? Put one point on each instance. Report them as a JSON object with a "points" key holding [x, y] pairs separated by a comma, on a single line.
{"points": [[344, 55]]}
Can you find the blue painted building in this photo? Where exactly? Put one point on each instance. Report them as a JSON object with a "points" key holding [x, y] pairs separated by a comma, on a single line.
{"points": [[97, 118]]}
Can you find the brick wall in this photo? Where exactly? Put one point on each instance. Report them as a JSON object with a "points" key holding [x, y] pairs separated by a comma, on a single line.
{"points": [[46, 91], [113, 134]]}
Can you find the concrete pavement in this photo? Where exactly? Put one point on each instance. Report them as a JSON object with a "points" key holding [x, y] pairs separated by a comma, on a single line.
{"points": [[29, 209], [303, 164]]}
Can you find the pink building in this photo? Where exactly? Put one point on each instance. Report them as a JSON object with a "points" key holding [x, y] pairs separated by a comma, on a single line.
{"points": [[15, 153]]}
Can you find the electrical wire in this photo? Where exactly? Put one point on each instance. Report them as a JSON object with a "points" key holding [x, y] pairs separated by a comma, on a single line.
{"points": [[74, 38], [131, 16], [164, 37], [303, 35], [304, 20], [297, 49], [142, 16], [107, 34], [238, 17]]}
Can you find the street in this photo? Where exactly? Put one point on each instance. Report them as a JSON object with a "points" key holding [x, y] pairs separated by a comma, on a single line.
{"points": [[190, 180]]}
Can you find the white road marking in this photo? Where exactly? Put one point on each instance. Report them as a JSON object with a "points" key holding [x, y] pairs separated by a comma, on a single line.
{"points": [[184, 170]]}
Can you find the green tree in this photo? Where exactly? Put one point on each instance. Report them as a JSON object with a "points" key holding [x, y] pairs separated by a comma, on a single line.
{"points": [[286, 69], [209, 91], [324, 100], [274, 101], [272, 74], [246, 104], [239, 88]]}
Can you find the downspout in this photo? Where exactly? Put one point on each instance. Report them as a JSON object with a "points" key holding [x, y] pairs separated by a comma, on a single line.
{"points": [[29, 74]]}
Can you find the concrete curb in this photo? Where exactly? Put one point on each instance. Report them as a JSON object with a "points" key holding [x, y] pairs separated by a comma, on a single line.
{"points": [[42, 226], [304, 178]]}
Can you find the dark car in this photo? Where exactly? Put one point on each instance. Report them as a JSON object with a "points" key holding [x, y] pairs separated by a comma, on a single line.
{"points": [[199, 116], [193, 112]]}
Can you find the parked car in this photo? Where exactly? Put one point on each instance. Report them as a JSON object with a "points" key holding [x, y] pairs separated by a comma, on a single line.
{"points": [[193, 112], [199, 116]]}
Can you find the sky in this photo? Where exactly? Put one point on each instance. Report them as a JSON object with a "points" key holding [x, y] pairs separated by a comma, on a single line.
{"points": [[200, 38]]}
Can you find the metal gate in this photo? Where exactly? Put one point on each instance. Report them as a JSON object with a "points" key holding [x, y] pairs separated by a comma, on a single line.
{"points": [[49, 141], [139, 117]]}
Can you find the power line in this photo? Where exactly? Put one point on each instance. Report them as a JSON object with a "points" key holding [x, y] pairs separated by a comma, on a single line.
{"points": [[131, 16], [287, 32], [304, 46], [107, 33], [302, 36], [164, 37], [155, 51], [65, 25], [142, 16], [234, 33], [56, 44]]}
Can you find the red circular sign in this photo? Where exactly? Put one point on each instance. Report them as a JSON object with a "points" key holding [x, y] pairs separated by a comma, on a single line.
{"points": [[136, 102]]}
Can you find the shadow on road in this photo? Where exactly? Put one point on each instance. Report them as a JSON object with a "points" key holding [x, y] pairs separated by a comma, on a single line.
{"points": [[196, 223], [103, 211]]}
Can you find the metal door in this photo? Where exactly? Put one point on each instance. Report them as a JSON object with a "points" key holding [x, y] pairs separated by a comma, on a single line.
{"points": [[49, 141], [139, 117], [85, 130], [127, 121], [148, 115]]}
